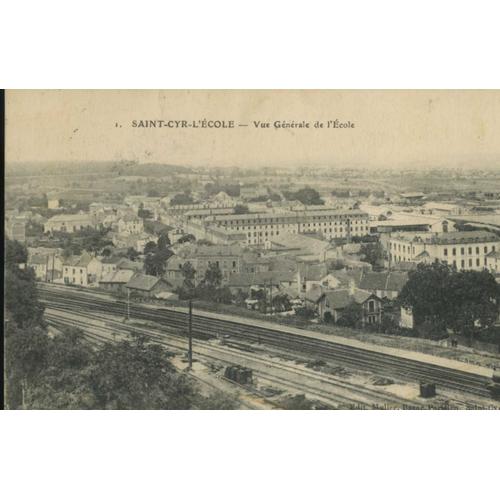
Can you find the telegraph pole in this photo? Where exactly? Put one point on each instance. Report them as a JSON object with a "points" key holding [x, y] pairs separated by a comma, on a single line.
{"points": [[128, 304], [190, 335], [271, 294]]}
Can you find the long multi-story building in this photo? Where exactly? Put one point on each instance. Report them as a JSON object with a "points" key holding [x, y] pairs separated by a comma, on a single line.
{"points": [[258, 228], [69, 223], [464, 250]]}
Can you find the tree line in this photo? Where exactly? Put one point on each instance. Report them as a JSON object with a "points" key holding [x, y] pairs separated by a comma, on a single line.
{"points": [[47, 370], [441, 298]]}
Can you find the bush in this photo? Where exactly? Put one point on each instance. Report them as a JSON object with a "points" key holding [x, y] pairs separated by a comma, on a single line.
{"points": [[431, 330], [305, 313], [327, 317]]}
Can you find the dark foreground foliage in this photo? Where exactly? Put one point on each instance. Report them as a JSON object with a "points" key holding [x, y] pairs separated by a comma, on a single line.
{"points": [[66, 371]]}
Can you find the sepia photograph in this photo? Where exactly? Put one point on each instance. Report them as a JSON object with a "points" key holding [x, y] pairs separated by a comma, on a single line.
{"points": [[252, 250]]}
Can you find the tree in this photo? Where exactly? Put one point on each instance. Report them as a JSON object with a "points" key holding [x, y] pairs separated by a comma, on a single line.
{"points": [[182, 199], [281, 302], [350, 316], [210, 288], [25, 337], [143, 213], [213, 276], [65, 382], [154, 264], [473, 301], [106, 252], [21, 298], [223, 295], [150, 248], [132, 253], [186, 238], [373, 253], [34, 229], [151, 380], [187, 290], [15, 253], [304, 313], [240, 297], [307, 196], [442, 297], [427, 294], [163, 241], [26, 357]]}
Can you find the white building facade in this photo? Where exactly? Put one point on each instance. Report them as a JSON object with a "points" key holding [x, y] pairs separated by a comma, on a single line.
{"points": [[464, 250], [258, 228]]}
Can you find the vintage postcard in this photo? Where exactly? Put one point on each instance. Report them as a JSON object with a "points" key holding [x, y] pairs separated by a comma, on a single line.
{"points": [[231, 249]]}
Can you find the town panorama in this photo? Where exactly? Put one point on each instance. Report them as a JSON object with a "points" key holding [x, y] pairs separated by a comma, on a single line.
{"points": [[156, 286]]}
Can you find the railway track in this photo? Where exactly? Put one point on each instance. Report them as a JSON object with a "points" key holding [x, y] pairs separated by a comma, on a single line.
{"points": [[266, 371], [205, 328]]}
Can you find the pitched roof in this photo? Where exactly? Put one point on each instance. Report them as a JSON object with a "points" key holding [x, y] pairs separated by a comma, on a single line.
{"points": [[396, 281], [113, 259], [422, 255], [143, 282], [361, 296], [121, 276], [263, 278], [290, 241], [290, 291], [78, 260], [405, 265], [125, 263], [314, 293], [218, 251], [69, 217], [313, 272], [340, 299], [386, 280], [345, 276]]}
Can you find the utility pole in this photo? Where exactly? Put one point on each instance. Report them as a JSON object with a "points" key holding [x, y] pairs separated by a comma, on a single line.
{"points": [[6, 382], [128, 304], [271, 294], [190, 335]]}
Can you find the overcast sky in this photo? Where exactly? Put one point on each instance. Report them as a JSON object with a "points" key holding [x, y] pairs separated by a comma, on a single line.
{"points": [[391, 128]]}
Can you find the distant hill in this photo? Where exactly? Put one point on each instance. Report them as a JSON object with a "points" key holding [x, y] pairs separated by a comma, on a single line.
{"points": [[29, 169]]}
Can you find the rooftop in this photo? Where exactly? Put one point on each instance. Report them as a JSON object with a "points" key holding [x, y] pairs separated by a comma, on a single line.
{"points": [[340, 299], [143, 282], [263, 278], [454, 237], [70, 217], [286, 215], [386, 280], [121, 276]]}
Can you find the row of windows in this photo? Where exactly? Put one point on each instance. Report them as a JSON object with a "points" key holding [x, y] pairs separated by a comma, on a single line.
{"points": [[406, 249], [239, 225], [66, 270], [282, 220], [471, 262], [462, 250]]}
